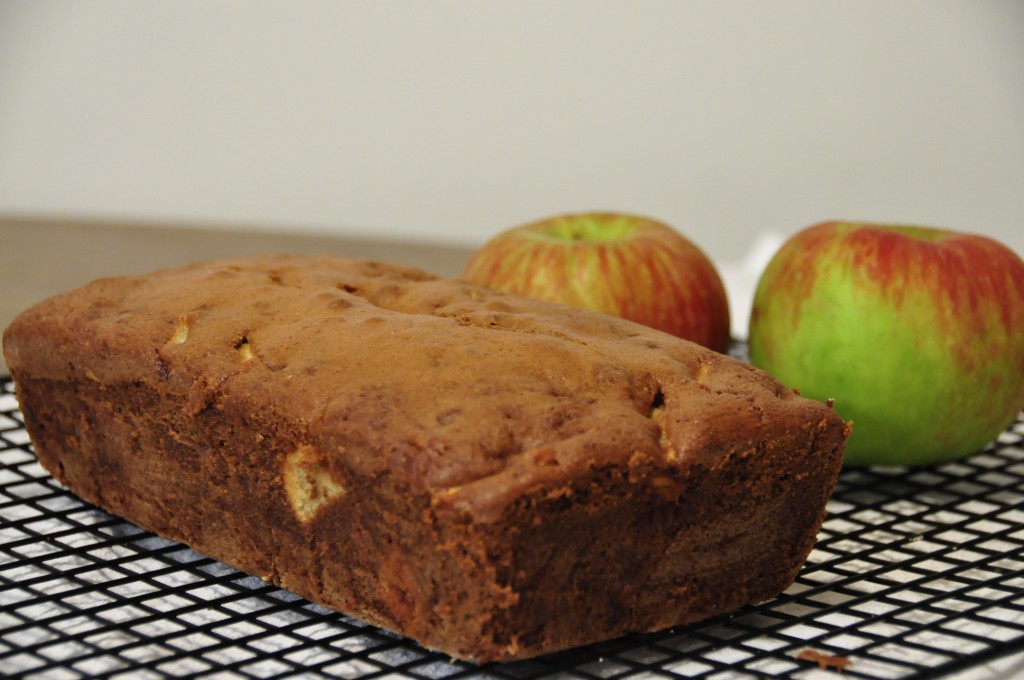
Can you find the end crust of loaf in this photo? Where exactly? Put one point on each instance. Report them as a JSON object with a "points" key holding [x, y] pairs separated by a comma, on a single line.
{"points": [[494, 477]]}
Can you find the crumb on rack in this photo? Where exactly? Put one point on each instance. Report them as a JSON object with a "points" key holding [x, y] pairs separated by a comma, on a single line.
{"points": [[825, 661]]}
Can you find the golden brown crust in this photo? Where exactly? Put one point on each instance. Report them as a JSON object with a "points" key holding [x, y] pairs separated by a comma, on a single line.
{"points": [[379, 438]]}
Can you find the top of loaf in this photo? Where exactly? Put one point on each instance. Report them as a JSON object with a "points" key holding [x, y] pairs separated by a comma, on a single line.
{"points": [[443, 384]]}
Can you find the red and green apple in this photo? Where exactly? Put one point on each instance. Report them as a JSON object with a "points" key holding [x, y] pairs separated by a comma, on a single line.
{"points": [[625, 265], [916, 332]]}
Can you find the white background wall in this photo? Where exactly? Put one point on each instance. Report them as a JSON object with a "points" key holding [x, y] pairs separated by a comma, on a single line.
{"points": [[449, 121]]}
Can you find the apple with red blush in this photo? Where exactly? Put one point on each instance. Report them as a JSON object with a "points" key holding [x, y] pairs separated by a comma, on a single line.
{"points": [[917, 333], [625, 265]]}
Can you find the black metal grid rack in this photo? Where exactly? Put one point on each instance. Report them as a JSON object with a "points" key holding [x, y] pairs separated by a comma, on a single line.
{"points": [[918, 573]]}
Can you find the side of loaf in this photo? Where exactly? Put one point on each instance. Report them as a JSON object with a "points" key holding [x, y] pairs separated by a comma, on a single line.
{"points": [[492, 476]]}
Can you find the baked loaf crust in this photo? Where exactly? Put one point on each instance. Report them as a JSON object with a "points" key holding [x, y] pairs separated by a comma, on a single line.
{"points": [[492, 476]]}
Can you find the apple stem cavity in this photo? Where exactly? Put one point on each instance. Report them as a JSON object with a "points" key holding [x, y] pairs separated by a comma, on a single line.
{"points": [[594, 227]]}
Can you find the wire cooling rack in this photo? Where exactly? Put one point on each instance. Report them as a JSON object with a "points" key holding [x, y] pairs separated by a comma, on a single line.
{"points": [[918, 573]]}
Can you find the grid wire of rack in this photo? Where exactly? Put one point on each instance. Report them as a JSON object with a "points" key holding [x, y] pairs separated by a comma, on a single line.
{"points": [[918, 573]]}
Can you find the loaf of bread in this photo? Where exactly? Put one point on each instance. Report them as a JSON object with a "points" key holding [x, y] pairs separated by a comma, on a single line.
{"points": [[492, 476]]}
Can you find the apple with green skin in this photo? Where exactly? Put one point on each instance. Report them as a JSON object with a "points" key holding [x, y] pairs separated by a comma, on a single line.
{"points": [[916, 332], [624, 265]]}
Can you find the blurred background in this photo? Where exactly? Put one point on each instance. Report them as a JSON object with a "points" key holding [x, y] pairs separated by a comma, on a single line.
{"points": [[445, 122]]}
